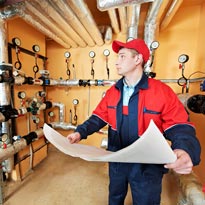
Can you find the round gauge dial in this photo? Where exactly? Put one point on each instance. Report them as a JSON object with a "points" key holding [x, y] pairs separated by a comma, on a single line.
{"points": [[154, 45], [106, 52], [36, 48], [183, 58], [21, 95], [92, 54], [67, 54], [51, 114], [75, 101], [36, 120], [4, 137], [16, 41]]}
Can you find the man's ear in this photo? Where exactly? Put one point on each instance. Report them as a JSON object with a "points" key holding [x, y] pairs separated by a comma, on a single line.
{"points": [[138, 58]]}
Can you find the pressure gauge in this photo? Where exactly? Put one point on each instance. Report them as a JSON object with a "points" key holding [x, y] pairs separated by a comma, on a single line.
{"points": [[183, 58], [21, 94], [92, 54], [4, 137], [154, 45], [36, 120], [75, 101], [67, 54], [16, 41], [106, 52], [51, 114], [36, 48]]}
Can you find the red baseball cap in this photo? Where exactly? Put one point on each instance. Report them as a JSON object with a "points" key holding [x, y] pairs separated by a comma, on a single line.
{"points": [[137, 44]]}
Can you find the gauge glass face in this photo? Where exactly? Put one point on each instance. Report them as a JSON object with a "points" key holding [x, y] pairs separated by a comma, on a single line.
{"points": [[92, 54], [106, 52], [16, 41], [21, 95], [183, 58], [37, 120], [155, 44], [75, 101], [36, 48], [67, 54], [51, 114], [4, 137]]}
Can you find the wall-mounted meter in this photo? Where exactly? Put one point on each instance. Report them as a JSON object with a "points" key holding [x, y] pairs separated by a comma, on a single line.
{"points": [[183, 58]]}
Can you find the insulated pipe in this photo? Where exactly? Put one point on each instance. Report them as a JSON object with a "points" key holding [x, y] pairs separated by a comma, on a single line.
{"points": [[72, 19], [133, 21], [18, 145], [114, 21], [151, 24], [30, 20], [40, 17], [83, 13], [108, 4], [108, 35], [123, 19], [3, 42], [61, 107], [51, 12], [62, 125]]}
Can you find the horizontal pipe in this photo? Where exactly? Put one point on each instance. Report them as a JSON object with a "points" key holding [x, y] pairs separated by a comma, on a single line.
{"points": [[20, 144], [12, 149], [62, 125]]}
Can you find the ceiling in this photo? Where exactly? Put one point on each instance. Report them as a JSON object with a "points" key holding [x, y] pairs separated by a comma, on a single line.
{"points": [[81, 23]]}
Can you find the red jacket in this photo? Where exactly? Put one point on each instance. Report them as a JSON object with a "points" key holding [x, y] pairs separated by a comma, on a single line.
{"points": [[157, 102]]}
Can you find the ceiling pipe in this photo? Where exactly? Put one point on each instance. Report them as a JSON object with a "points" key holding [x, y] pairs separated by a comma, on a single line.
{"points": [[123, 19], [83, 13], [72, 19], [50, 12], [151, 24], [3, 42], [46, 22], [170, 13], [38, 25], [133, 21], [114, 21], [103, 5]]}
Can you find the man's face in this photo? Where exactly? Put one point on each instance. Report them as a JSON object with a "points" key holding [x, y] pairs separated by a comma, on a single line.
{"points": [[126, 62]]}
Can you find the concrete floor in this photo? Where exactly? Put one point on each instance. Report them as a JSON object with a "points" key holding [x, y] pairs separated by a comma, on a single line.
{"points": [[63, 180]]}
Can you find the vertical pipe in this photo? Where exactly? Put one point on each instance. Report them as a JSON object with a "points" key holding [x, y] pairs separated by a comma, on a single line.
{"points": [[3, 58], [3, 42]]}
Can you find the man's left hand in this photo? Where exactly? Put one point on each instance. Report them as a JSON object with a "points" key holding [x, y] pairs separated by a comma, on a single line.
{"points": [[183, 164]]}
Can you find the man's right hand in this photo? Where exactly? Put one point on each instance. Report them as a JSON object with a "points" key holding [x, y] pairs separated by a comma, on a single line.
{"points": [[74, 137]]}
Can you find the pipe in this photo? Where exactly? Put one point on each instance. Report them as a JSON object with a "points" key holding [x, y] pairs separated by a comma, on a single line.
{"points": [[47, 22], [19, 144], [151, 24], [38, 25], [108, 35], [104, 5], [3, 42], [83, 13], [170, 13], [51, 12], [123, 19], [72, 19], [133, 21], [62, 125], [61, 107], [114, 21]]}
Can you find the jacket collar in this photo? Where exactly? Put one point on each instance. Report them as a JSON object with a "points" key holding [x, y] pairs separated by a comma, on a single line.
{"points": [[143, 83]]}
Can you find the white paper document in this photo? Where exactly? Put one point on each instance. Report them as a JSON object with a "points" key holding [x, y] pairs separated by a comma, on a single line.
{"points": [[151, 147]]}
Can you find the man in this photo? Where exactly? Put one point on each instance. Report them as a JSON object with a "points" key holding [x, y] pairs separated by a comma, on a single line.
{"points": [[128, 107]]}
